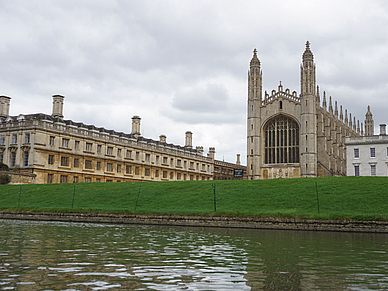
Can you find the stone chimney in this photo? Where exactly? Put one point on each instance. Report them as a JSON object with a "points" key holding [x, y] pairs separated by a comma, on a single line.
{"points": [[136, 126], [200, 150], [162, 138], [383, 130], [189, 139], [238, 160], [212, 153], [4, 106], [58, 106]]}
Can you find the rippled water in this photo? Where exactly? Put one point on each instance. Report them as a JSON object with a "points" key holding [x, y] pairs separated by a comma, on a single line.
{"points": [[80, 256]]}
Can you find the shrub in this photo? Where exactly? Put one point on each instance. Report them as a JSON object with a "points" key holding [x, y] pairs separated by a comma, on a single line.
{"points": [[5, 179], [3, 167]]}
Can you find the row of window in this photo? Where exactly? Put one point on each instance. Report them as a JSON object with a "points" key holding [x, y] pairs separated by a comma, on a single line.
{"points": [[12, 163], [372, 170], [67, 179], [128, 154], [27, 138], [65, 162], [372, 151]]}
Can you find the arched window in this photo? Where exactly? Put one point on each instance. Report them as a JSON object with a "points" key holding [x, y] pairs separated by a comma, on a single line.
{"points": [[281, 143]]}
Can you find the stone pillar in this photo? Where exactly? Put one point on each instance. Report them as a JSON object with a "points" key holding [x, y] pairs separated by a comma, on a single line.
{"points": [[58, 106], [189, 139], [136, 126], [238, 160], [4, 106]]}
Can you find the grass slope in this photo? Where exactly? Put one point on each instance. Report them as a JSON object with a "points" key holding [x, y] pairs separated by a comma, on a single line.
{"points": [[362, 198]]}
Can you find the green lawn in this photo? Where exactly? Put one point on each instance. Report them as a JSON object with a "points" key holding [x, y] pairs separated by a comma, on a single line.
{"points": [[362, 198]]}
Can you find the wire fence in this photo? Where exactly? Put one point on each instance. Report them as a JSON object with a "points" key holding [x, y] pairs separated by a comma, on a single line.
{"points": [[302, 197]]}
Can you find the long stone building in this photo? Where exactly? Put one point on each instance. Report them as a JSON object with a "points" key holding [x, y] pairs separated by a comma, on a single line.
{"points": [[297, 135], [56, 150], [229, 171]]}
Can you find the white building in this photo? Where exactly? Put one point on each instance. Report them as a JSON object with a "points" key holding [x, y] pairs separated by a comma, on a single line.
{"points": [[367, 155]]}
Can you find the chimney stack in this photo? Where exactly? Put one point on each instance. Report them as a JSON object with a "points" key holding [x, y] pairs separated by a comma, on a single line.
{"points": [[189, 139], [136, 126], [200, 150], [212, 153], [238, 160], [4, 106], [162, 138], [58, 106], [383, 129]]}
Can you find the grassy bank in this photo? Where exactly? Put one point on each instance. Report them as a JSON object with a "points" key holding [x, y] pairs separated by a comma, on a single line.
{"points": [[362, 198]]}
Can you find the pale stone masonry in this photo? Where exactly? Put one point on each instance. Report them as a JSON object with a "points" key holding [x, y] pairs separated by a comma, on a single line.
{"points": [[295, 135], [63, 151], [368, 155]]}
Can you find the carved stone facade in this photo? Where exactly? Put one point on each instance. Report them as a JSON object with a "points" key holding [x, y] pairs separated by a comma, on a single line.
{"points": [[293, 135], [62, 151]]}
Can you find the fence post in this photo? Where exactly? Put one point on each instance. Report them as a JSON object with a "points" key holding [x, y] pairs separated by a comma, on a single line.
{"points": [[20, 194], [72, 202], [138, 194], [316, 190], [214, 195]]}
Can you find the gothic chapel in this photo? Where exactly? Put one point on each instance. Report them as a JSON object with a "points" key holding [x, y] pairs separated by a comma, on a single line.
{"points": [[291, 135]]}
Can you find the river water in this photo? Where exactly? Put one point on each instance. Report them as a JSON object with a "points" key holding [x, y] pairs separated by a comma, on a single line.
{"points": [[82, 256]]}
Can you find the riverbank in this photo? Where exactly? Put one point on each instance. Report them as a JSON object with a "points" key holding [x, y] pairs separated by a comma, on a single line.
{"points": [[206, 221], [333, 198]]}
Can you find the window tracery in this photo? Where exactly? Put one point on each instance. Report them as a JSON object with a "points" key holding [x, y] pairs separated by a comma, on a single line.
{"points": [[281, 144]]}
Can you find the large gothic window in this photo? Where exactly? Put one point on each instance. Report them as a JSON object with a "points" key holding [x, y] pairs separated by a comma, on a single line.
{"points": [[281, 144]]}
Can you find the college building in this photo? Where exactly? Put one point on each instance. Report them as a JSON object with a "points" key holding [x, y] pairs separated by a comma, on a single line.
{"points": [[56, 150], [368, 155], [229, 171], [294, 135]]}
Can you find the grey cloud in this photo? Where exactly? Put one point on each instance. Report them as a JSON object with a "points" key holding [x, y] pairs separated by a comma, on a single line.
{"points": [[211, 98], [173, 61]]}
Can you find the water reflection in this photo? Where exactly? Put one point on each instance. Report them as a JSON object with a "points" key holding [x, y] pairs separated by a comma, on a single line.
{"points": [[76, 256]]}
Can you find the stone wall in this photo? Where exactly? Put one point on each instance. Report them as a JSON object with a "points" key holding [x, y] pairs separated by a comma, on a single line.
{"points": [[208, 221], [21, 178]]}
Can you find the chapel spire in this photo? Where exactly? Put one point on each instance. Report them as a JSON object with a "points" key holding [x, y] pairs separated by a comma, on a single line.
{"points": [[307, 72], [255, 62], [330, 106], [324, 104], [369, 123], [255, 78], [318, 96], [308, 55]]}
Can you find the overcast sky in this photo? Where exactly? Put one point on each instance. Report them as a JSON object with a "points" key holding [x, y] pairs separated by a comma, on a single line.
{"points": [[182, 65]]}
